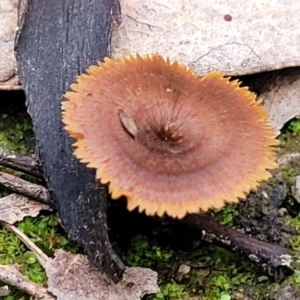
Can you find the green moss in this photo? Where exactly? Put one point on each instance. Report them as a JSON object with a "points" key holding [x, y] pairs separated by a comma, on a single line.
{"points": [[290, 172], [226, 272], [218, 274], [145, 253], [46, 233], [16, 128], [227, 214], [295, 246], [215, 273], [170, 291], [294, 126], [142, 253], [11, 137], [290, 136]]}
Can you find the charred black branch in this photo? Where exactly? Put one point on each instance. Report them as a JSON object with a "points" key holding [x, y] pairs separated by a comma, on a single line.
{"points": [[58, 40], [274, 259]]}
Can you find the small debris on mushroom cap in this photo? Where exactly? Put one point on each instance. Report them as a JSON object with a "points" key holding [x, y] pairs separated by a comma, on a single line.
{"points": [[169, 140]]}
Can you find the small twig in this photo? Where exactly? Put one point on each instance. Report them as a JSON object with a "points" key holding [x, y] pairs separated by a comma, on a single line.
{"points": [[25, 188], [274, 259], [41, 256], [28, 164], [11, 276]]}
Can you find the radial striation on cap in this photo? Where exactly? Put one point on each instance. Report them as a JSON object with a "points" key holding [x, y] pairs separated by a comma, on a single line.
{"points": [[170, 141]]}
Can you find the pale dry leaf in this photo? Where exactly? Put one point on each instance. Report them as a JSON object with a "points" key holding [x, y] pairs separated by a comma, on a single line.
{"points": [[296, 189], [15, 207], [234, 36], [288, 157], [11, 84], [71, 277], [281, 96], [23, 6], [4, 291], [287, 292], [8, 24]]}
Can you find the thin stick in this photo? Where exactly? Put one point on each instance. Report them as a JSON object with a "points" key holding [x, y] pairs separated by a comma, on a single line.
{"points": [[11, 276], [25, 188], [274, 259], [28, 164], [41, 256]]}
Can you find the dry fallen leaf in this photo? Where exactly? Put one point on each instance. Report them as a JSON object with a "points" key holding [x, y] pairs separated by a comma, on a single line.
{"points": [[8, 24], [15, 207], [282, 99], [72, 277], [280, 91], [296, 189], [287, 158], [4, 291], [234, 36]]}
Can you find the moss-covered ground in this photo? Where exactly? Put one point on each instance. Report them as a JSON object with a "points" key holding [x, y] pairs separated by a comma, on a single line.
{"points": [[188, 268]]}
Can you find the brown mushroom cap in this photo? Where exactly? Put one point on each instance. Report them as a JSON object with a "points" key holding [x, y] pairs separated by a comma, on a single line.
{"points": [[169, 140]]}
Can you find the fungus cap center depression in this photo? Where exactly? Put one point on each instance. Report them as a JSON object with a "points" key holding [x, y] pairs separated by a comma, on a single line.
{"points": [[169, 140]]}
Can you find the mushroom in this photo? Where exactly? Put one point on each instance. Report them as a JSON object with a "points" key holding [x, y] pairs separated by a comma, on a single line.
{"points": [[169, 140]]}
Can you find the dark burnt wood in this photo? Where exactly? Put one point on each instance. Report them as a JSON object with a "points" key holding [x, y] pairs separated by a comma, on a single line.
{"points": [[58, 40], [275, 260]]}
